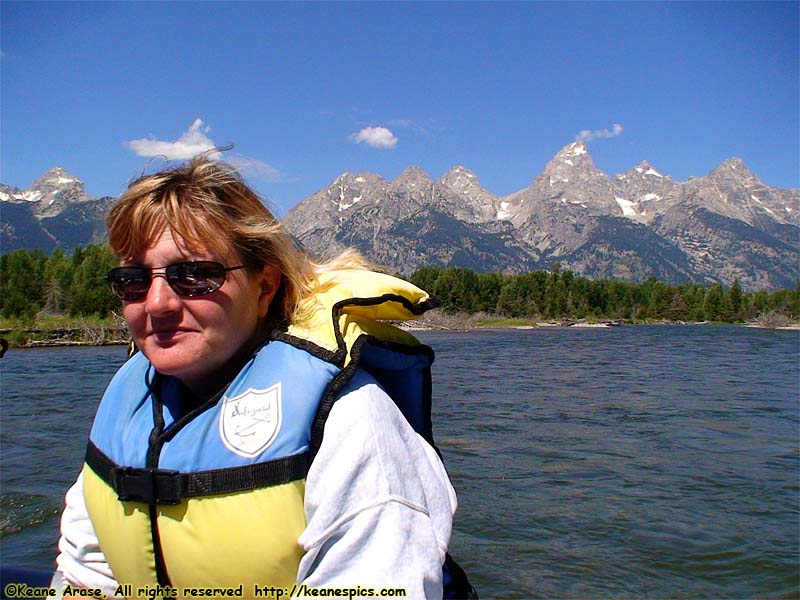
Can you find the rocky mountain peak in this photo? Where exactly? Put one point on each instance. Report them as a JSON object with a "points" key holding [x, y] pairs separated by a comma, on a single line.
{"points": [[574, 149], [347, 190], [734, 169], [460, 179], [358, 180], [643, 193], [55, 211], [646, 169], [478, 203], [733, 162], [50, 194], [731, 189], [413, 177], [56, 177], [571, 179], [644, 172], [571, 159]]}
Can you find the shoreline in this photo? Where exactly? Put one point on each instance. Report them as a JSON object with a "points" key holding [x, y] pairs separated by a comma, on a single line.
{"points": [[413, 326], [98, 336], [46, 337]]}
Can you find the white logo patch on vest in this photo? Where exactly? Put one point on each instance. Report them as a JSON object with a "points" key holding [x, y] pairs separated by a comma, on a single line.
{"points": [[250, 422]]}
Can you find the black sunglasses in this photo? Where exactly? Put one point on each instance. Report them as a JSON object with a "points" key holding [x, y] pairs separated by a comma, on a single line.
{"points": [[187, 279]]}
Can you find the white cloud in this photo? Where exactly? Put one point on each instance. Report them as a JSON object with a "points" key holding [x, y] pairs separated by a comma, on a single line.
{"points": [[377, 137], [194, 141], [191, 143], [588, 135]]}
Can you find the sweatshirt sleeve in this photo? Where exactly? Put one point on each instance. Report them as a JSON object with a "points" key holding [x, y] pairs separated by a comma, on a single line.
{"points": [[378, 500], [80, 561]]}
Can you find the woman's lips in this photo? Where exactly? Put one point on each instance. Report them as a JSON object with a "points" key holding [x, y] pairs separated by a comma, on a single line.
{"points": [[167, 335]]}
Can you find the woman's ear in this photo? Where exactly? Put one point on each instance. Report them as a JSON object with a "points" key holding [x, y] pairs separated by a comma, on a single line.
{"points": [[270, 281]]}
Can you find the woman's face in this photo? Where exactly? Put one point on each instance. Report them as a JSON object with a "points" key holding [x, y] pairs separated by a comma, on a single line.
{"points": [[204, 340]]}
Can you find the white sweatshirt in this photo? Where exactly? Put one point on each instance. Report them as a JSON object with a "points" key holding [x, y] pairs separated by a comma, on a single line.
{"points": [[379, 506]]}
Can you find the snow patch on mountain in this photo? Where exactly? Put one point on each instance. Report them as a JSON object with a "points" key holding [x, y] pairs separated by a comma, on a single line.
{"points": [[627, 207], [575, 149], [503, 212], [651, 196]]}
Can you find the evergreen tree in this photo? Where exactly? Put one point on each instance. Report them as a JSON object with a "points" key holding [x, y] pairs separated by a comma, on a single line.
{"points": [[761, 302], [90, 291], [678, 310], [21, 282], [579, 297], [735, 302], [784, 302], [489, 286], [714, 303], [598, 296], [456, 289], [656, 299], [511, 298], [58, 271], [425, 278], [53, 298], [695, 295]]}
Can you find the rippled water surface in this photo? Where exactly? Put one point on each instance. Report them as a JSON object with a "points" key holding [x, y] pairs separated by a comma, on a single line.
{"points": [[48, 400], [589, 463]]}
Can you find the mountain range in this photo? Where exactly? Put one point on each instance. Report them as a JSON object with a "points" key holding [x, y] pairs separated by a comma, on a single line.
{"points": [[725, 226], [722, 227]]}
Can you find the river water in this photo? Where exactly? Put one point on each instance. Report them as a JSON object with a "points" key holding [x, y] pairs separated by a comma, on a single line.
{"points": [[649, 462]]}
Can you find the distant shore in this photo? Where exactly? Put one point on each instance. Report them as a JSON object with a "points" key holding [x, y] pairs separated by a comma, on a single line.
{"points": [[423, 326], [71, 334], [86, 335]]}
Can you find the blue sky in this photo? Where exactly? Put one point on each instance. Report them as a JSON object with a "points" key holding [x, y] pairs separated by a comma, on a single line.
{"points": [[307, 91]]}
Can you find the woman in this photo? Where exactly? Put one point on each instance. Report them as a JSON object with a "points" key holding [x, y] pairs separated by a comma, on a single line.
{"points": [[207, 465]]}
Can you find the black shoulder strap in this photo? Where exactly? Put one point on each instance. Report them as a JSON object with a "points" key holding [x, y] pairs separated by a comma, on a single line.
{"points": [[162, 486], [456, 582]]}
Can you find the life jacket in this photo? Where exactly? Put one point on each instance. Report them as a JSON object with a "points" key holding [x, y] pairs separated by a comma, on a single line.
{"points": [[165, 488]]}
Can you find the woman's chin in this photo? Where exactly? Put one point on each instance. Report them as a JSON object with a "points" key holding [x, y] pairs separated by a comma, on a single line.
{"points": [[171, 357]]}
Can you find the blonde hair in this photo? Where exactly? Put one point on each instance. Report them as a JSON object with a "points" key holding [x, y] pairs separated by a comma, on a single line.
{"points": [[209, 206]]}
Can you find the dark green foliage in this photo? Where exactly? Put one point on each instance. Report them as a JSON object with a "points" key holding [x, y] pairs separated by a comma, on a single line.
{"points": [[558, 294], [735, 302], [714, 305], [32, 283], [489, 286], [21, 282], [89, 292]]}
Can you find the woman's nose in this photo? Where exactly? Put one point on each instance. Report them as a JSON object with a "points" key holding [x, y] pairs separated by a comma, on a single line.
{"points": [[161, 298]]}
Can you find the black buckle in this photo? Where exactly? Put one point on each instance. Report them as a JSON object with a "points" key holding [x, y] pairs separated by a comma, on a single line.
{"points": [[153, 486]]}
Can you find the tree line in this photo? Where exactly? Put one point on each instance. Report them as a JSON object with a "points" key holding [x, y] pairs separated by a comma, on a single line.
{"points": [[34, 284], [560, 294]]}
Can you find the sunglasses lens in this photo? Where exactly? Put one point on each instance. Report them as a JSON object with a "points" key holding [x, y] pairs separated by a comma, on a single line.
{"points": [[195, 278], [187, 279], [129, 283]]}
